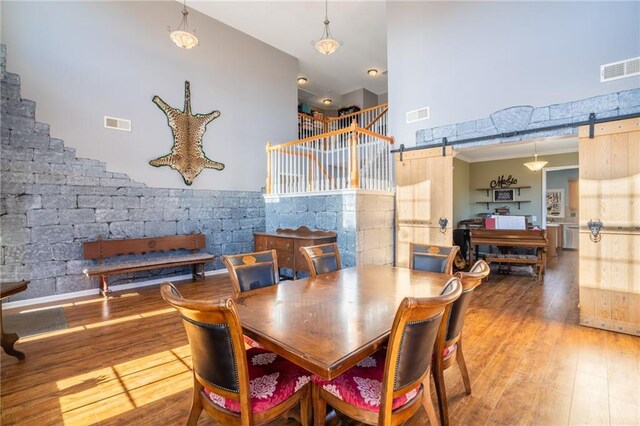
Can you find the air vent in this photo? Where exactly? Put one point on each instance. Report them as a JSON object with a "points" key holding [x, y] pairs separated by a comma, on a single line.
{"points": [[117, 123], [622, 69], [417, 115]]}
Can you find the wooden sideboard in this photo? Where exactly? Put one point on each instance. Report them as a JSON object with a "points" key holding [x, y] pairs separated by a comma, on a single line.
{"points": [[287, 243]]}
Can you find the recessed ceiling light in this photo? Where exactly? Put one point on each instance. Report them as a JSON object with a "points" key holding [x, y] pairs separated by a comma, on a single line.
{"points": [[302, 80], [326, 101], [372, 72]]}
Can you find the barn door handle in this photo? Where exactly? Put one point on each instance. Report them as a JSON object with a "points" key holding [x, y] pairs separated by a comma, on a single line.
{"points": [[595, 226], [443, 222]]}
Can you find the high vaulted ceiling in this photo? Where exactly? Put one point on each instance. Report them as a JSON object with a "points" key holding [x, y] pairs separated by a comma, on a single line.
{"points": [[291, 26]]}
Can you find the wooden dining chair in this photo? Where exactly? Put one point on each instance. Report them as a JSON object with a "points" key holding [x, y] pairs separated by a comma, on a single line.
{"points": [[424, 257], [322, 258], [449, 343], [234, 386], [388, 387], [249, 271]]}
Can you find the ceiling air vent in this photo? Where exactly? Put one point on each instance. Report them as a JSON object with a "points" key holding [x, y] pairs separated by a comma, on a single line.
{"points": [[117, 123], [417, 115], [622, 69]]}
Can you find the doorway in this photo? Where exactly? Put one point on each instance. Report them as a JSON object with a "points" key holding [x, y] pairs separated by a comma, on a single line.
{"points": [[560, 207]]}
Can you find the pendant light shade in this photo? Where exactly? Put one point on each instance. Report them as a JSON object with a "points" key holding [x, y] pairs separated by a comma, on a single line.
{"points": [[327, 44], [535, 165], [181, 36]]}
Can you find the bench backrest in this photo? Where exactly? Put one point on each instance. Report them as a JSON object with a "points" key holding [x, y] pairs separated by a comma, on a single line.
{"points": [[534, 238], [102, 249]]}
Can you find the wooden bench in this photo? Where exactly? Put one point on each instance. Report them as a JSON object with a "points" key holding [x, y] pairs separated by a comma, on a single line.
{"points": [[506, 240], [102, 249]]}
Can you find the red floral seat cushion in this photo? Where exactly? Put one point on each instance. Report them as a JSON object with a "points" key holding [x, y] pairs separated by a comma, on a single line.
{"points": [[252, 343], [449, 350], [272, 379], [361, 385]]}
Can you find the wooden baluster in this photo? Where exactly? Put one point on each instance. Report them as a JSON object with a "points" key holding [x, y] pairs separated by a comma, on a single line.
{"points": [[267, 188], [355, 174]]}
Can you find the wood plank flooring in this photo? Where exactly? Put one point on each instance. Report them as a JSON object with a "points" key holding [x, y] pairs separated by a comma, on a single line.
{"points": [[126, 361]]}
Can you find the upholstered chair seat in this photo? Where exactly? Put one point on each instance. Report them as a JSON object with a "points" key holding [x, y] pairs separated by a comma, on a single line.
{"points": [[251, 271], [234, 385], [361, 385], [449, 342], [322, 259], [432, 258], [390, 386], [272, 380]]}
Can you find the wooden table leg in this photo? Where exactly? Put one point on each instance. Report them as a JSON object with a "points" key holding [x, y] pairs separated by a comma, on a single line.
{"points": [[8, 340]]}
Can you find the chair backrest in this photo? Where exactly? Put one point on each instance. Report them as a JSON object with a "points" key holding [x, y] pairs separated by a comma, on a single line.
{"points": [[322, 258], [215, 337], [470, 280], [250, 271], [424, 257], [411, 343]]}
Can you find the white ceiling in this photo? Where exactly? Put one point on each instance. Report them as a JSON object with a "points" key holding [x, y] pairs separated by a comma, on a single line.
{"points": [[547, 146], [291, 26]]}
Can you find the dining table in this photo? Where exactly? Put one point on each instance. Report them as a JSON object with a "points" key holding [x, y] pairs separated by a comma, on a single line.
{"points": [[328, 323]]}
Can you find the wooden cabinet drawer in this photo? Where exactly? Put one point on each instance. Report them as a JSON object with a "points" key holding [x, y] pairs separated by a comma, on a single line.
{"points": [[285, 260], [280, 244], [261, 243]]}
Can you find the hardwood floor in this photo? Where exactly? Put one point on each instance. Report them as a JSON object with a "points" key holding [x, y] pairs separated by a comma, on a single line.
{"points": [[126, 361]]}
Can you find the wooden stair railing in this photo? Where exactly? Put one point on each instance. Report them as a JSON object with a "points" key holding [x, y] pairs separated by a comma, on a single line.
{"points": [[334, 157]]}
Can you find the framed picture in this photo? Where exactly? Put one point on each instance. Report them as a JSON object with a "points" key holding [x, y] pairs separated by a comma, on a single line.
{"points": [[555, 202], [503, 195]]}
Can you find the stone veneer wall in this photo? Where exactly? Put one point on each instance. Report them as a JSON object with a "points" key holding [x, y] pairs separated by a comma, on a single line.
{"points": [[52, 201], [362, 220], [527, 117]]}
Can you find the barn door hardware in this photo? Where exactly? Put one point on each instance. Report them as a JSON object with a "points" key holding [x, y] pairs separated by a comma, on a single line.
{"points": [[401, 151], [443, 222], [595, 226], [592, 123], [444, 147]]}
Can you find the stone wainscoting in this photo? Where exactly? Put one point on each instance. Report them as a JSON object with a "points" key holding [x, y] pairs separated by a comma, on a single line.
{"points": [[520, 118], [363, 221], [52, 202]]}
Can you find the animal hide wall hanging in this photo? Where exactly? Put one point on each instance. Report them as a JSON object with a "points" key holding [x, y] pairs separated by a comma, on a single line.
{"points": [[187, 156]]}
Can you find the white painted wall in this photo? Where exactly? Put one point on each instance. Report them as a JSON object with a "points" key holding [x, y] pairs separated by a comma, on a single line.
{"points": [[82, 60], [466, 60]]}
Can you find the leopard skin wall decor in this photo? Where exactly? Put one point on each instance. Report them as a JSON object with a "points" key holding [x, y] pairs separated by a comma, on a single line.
{"points": [[187, 156]]}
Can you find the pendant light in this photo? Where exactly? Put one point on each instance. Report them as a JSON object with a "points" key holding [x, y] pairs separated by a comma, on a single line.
{"points": [[327, 44], [535, 165], [181, 36]]}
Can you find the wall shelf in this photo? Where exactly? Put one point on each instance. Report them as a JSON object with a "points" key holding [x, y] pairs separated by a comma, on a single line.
{"points": [[503, 202], [511, 187]]}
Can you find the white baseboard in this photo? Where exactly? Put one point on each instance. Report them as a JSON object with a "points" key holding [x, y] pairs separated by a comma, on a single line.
{"points": [[120, 287]]}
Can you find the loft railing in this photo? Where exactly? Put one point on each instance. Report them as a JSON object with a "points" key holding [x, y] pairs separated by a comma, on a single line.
{"points": [[350, 158], [374, 119]]}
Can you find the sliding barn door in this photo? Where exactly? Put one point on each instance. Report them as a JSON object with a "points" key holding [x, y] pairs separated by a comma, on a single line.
{"points": [[424, 195], [610, 194]]}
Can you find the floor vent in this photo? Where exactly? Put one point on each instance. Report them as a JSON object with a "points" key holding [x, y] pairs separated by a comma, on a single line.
{"points": [[417, 115], [622, 69], [117, 123]]}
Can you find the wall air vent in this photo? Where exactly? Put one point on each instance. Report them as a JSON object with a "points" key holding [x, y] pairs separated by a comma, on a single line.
{"points": [[117, 123], [417, 115], [622, 69]]}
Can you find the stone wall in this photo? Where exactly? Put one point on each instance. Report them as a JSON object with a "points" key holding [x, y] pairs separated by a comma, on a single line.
{"points": [[375, 228], [363, 221], [52, 201], [519, 118]]}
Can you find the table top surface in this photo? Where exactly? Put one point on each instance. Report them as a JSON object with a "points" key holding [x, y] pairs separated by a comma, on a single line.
{"points": [[10, 288], [329, 323]]}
